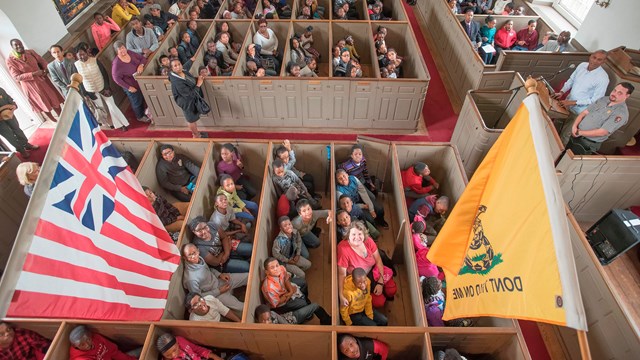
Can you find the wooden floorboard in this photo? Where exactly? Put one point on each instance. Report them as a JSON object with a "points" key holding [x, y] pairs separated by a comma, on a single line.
{"points": [[319, 279]]}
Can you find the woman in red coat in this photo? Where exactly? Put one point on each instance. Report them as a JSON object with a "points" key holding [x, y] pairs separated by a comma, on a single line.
{"points": [[30, 70]]}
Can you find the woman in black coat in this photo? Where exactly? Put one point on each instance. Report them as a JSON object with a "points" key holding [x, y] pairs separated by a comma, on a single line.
{"points": [[186, 91]]}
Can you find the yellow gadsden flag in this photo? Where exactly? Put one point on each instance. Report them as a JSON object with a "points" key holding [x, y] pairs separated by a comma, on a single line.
{"points": [[505, 248]]}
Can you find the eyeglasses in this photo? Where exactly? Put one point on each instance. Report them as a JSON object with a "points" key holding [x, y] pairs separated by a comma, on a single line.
{"points": [[201, 228], [263, 26]]}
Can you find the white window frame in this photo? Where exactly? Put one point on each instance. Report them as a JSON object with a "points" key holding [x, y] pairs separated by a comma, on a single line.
{"points": [[567, 14]]}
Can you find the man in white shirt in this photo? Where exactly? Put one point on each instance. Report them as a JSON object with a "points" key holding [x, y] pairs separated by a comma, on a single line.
{"points": [[207, 308], [179, 8], [588, 83]]}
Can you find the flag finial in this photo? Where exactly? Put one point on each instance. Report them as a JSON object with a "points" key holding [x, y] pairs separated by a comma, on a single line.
{"points": [[531, 85], [76, 80]]}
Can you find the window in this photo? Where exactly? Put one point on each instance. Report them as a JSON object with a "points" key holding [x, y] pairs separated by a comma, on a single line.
{"points": [[575, 11]]}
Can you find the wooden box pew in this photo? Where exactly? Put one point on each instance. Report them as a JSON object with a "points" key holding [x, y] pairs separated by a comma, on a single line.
{"points": [[157, 89], [50, 329], [446, 168], [127, 336], [14, 205], [626, 132], [484, 116], [230, 100], [281, 30], [362, 39], [594, 184], [498, 344], [404, 343], [537, 63], [398, 103], [500, 80], [321, 42], [138, 147], [258, 341], [146, 174], [311, 159], [402, 311], [609, 296], [461, 65]]}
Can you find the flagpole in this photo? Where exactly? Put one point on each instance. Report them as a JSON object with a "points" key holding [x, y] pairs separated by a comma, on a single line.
{"points": [[584, 345]]}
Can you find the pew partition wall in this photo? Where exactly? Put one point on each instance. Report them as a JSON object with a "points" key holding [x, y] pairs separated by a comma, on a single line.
{"points": [[369, 103], [407, 335]]}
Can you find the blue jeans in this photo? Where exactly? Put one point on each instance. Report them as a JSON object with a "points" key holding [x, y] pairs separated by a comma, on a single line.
{"points": [[363, 320], [253, 207], [305, 314], [239, 259], [304, 252], [137, 102], [486, 57], [310, 240]]}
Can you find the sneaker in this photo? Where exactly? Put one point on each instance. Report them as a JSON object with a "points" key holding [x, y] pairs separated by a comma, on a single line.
{"points": [[144, 119], [31, 147], [382, 223], [124, 128], [25, 154]]}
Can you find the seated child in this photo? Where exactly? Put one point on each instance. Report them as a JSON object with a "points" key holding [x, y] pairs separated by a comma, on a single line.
{"points": [[344, 220], [306, 221], [284, 179], [432, 216], [207, 308], [416, 181], [286, 153], [284, 296], [243, 209], [287, 203], [356, 166], [176, 347], [357, 213], [352, 347], [231, 163], [226, 222], [434, 302], [288, 249], [171, 215], [437, 205], [264, 315], [359, 311], [420, 244], [349, 185]]}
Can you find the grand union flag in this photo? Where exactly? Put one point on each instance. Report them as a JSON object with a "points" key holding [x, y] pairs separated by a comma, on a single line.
{"points": [[98, 249]]}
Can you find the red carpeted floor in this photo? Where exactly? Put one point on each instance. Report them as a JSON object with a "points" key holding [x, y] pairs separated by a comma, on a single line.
{"points": [[439, 117]]}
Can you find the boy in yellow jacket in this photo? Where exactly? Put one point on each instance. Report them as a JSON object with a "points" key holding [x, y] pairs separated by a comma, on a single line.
{"points": [[360, 311]]}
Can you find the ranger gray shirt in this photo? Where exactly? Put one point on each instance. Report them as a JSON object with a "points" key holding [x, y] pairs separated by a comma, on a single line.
{"points": [[610, 118]]}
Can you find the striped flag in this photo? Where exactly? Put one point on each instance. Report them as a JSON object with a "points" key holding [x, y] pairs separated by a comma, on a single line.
{"points": [[505, 248], [98, 249]]}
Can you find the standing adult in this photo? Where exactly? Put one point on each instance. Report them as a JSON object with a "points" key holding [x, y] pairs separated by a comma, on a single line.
{"points": [[61, 69], [141, 39], [587, 83], [101, 29], [527, 38], [126, 65], [597, 122], [30, 70], [187, 93], [95, 79], [123, 11], [9, 127]]}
